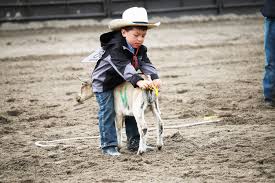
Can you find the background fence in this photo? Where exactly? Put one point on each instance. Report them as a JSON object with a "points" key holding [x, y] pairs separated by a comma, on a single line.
{"points": [[30, 10]]}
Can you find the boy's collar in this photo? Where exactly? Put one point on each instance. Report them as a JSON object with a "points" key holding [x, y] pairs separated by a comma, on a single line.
{"points": [[130, 48], [126, 48]]}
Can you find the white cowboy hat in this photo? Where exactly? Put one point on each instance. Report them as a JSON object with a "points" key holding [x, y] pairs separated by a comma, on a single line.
{"points": [[135, 16]]}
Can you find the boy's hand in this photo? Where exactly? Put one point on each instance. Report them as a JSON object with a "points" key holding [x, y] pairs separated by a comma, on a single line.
{"points": [[144, 84], [157, 83]]}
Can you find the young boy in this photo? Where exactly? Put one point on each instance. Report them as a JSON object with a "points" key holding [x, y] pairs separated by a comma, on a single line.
{"points": [[124, 55]]}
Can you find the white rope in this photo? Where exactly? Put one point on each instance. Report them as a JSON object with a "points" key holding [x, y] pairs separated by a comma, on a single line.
{"points": [[192, 124], [49, 143]]}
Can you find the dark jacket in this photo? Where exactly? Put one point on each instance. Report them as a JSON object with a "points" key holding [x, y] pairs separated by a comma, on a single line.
{"points": [[114, 67], [269, 9]]}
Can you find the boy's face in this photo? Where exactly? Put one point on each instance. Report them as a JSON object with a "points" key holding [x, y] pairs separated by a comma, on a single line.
{"points": [[135, 37]]}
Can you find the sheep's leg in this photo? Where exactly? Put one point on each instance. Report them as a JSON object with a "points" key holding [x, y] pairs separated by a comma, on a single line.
{"points": [[119, 125], [159, 125], [157, 106], [142, 128]]}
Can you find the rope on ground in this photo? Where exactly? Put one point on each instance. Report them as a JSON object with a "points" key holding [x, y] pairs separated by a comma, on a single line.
{"points": [[54, 143], [48, 143]]}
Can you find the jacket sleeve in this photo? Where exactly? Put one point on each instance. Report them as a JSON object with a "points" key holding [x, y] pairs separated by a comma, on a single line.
{"points": [[147, 67], [123, 67]]}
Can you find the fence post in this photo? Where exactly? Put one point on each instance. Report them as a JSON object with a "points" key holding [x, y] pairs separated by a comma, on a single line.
{"points": [[108, 8], [219, 6]]}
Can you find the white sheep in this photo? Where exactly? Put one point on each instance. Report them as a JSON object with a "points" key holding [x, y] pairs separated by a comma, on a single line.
{"points": [[130, 101]]}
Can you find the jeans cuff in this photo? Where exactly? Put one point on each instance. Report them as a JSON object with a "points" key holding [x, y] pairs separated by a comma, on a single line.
{"points": [[108, 145]]}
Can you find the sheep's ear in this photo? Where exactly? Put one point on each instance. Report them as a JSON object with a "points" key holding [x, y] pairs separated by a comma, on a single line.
{"points": [[85, 83]]}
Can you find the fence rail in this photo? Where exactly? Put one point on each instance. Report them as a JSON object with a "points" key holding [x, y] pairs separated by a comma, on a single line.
{"points": [[31, 10]]}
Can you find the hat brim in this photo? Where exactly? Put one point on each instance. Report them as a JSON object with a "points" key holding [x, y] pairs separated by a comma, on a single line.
{"points": [[119, 23]]}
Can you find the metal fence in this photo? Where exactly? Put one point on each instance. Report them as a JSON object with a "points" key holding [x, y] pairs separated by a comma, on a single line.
{"points": [[30, 10]]}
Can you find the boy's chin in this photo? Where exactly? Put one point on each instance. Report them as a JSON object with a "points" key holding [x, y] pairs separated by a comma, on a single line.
{"points": [[136, 46]]}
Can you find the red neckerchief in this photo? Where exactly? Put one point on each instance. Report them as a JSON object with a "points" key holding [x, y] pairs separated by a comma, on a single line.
{"points": [[135, 60]]}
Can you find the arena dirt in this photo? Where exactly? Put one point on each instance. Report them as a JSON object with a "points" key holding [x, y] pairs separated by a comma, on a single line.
{"points": [[210, 69]]}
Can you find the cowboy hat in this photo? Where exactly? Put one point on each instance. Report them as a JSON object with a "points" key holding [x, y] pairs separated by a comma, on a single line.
{"points": [[135, 16]]}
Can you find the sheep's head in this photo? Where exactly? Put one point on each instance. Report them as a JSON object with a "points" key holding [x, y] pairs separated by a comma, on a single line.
{"points": [[85, 92]]}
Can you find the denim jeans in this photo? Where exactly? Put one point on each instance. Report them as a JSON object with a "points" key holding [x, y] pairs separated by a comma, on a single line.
{"points": [[106, 116], [131, 127], [269, 75]]}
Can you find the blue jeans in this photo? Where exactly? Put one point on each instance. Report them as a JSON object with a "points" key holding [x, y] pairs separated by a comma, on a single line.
{"points": [[269, 75], [106, 117], [131, 127]]}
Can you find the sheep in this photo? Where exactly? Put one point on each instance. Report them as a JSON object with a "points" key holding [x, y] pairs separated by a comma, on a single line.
{"points": [[130, 101]]}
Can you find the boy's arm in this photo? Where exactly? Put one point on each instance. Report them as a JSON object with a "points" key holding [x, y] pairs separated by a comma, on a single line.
{"points": [[147, 67]]}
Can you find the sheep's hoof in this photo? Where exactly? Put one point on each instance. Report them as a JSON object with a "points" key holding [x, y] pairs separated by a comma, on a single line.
{"points": [[140, 152]]}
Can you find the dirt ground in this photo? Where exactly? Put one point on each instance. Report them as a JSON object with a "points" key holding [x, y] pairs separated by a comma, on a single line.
{"points": [[210, 68]]}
